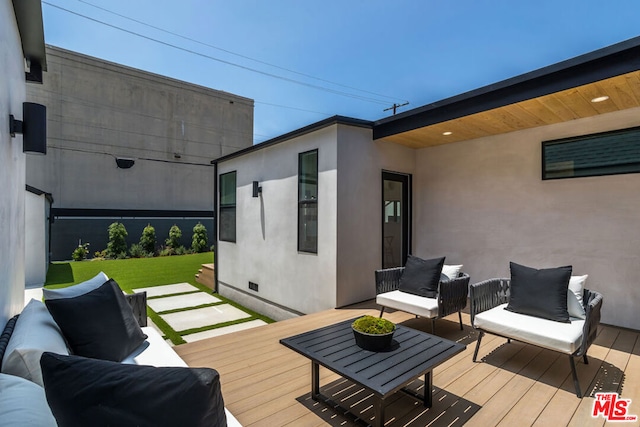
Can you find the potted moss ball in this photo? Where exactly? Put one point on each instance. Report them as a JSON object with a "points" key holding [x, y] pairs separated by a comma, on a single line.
{"points": [[373, 333]]}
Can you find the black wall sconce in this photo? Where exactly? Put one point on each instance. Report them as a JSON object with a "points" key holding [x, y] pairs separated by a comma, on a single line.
{"points": [[257, 189], [33, 127], [124, 163]]}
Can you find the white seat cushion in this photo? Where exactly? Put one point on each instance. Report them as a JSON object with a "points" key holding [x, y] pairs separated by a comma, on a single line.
{"points": [[154, 351], [415, 304], [558, 336]]}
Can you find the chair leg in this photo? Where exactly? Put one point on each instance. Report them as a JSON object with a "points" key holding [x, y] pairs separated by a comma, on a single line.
{"points": [[460, 318], [381, 311], [584, 357], [475, 353], [575, 377], [433, 326], [508, 340]]}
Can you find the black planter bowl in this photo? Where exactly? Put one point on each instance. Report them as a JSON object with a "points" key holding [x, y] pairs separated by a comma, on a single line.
{"points": [[373, 342]]}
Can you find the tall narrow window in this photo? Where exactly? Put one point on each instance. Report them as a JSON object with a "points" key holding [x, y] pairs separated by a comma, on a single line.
{"points": [[228, 207], [308, 202]]}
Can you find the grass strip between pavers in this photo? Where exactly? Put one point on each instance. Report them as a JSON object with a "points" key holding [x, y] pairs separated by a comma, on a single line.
{"points": [[217, 326], [135, 273], [168, 331], [195, 291], [180, 310]]}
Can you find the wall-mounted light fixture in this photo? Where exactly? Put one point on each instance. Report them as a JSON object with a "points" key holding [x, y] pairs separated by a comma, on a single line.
{"points": [[33, 127], [257, 189], [124, 163]]}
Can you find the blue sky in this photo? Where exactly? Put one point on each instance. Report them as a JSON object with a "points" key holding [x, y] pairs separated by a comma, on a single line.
{"points": [[353, 58]]}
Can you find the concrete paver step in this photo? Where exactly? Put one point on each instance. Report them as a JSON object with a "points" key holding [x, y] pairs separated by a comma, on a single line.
{"points": [[206, 316], [224, 330], [181, 301]]}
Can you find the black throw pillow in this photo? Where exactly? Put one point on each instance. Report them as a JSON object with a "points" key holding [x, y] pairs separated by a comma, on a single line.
{"points": [[99, 324], [541, 293], [421, 277], [91, 392]]}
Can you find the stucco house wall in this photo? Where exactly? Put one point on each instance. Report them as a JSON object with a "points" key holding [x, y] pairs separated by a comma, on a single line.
{"points": [[483, 203], [36, 245], [265, 251], [349, 222], [12, 167], [359, 210]]}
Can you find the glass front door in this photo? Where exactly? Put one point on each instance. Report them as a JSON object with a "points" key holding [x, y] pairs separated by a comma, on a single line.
{"points": [[395, 219]]}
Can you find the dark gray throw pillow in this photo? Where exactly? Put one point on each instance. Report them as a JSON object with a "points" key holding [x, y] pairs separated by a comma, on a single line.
{"points": [[90, 392], [421, 277], [99, 324], [541, 293]]}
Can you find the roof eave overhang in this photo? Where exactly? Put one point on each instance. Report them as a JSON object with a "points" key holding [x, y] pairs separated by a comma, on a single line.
{"points": [[334, 120], [29, 18], [598, 65]]}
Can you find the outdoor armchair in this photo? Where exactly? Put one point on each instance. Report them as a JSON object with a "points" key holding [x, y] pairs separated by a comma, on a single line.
{"points": [[451, 296], [488, 299]]}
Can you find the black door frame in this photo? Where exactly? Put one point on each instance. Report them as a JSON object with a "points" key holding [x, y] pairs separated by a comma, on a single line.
{"points": [[406, 214]]}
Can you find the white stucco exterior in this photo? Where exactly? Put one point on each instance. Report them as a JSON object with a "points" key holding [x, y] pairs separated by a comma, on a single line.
{"points": [[265, 251], [483, 203], [35, 239], [12, 167], [359, 211], [350, 168]]}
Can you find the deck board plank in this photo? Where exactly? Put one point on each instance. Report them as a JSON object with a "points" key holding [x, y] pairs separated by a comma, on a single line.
{"points": [[266, 384]]}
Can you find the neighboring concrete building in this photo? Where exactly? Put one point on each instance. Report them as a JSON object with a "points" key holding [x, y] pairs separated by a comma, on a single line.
{"points": [[469, 178], [22, 38], [130, 146]]}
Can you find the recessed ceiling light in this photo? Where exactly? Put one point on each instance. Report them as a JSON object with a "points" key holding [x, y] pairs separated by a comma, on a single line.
{"points": [[447, 133], [600, 99]]}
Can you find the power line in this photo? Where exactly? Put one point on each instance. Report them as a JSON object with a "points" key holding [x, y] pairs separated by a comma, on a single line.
{"points": [[193, 52], [78, 150], [235, 53]]}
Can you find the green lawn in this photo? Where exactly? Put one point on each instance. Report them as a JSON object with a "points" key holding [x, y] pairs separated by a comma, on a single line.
{"points": [[131, 273], [141, 273]]}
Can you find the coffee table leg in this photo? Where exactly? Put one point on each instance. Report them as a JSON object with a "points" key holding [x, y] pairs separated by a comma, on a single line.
{"points": [[315, 380], [379, 408], [428, 390]]}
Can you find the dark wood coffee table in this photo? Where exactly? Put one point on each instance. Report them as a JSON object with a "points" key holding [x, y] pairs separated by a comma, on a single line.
{"points": [[413, 354]]}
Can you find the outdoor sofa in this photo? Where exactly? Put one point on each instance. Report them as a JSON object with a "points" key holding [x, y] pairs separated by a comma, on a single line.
{"points": [[548, 308], [449, 295], [42, 384]]}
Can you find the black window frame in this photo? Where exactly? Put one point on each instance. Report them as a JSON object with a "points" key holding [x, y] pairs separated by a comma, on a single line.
{"points": [[614, 167], [225, 208], [304, 203]]}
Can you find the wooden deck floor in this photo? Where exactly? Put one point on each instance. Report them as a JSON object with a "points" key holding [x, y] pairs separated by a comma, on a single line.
{"points": [[266, 384]]}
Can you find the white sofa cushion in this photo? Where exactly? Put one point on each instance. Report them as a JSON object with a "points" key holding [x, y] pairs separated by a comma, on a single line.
{"points": [[75, 290], [562, 337], [23, 403], [35, 332], [451, 271], [574, 296], [403, 301], [155, 351]]}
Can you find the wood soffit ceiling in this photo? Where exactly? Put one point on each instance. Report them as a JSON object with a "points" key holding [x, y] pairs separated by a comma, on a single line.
{"points": [[575, 103]]}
